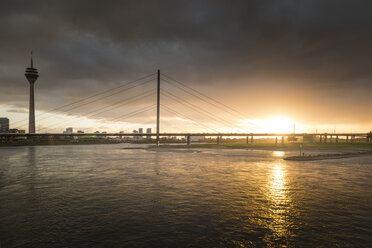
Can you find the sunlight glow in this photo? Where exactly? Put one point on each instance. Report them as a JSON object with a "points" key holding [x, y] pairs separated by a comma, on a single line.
{"points": [[278, 125]]}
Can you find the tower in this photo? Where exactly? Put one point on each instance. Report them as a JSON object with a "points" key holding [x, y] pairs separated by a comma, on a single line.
{"points": [[31, 75]]}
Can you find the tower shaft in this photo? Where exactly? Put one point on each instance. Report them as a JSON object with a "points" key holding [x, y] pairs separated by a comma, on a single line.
{"points": [[31, 123]]}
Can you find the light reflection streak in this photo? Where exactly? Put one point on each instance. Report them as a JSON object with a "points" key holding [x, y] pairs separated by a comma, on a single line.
{"points": [[278, 201], [278, 153]]}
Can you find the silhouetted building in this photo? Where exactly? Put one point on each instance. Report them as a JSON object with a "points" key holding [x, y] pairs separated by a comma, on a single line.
{"points": [[4, 125], [69, 130], [31, 75], [148, 131], [140, 131]]}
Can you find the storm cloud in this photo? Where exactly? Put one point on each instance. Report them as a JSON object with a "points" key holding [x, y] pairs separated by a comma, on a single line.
{"points": [[308, 59]]}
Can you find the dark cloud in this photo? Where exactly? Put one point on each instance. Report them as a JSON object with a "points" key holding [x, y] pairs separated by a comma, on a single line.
{"points": [[313, 54]]}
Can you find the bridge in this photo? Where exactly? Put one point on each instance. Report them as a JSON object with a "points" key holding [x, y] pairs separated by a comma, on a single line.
{"points": [[250, 137], [175, 99]]}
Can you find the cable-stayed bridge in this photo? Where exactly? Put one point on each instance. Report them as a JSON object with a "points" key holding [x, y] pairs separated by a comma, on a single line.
{"points": [[208, 113]]}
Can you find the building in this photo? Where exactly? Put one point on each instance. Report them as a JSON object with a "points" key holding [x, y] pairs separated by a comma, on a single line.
{"points": [[4, 125], [69, 130], [148, 131], [31, 75], [140, 131]]}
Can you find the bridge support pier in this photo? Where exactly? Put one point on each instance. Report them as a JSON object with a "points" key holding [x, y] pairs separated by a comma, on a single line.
{"points": [[282, 140], [218, 140], [252, 139], [247, 140], [325, 138], [337, 139], [188, 140], [330, 139], [347, 138], [276, 140], [320, 138]]}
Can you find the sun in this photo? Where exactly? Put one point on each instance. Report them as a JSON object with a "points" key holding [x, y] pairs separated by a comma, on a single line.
{"points": [[278, 124]]}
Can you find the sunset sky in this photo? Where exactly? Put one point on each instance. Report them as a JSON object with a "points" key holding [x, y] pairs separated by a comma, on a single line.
{"points": [[273, 63]]}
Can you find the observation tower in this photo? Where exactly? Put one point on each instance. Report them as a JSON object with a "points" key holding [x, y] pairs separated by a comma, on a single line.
{"points": [[31, 75]]}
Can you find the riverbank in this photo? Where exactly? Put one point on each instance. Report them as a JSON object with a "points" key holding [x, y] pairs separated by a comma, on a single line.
{"points": [[283, 147], [309, 151]]}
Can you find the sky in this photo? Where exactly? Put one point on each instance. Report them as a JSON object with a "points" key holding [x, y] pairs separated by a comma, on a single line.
{"points": [[261, 65]]}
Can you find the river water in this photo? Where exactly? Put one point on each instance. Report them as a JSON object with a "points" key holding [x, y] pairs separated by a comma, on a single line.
{"points": [[106, 196]]}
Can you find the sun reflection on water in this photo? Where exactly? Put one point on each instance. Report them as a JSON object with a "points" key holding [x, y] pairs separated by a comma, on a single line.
{"points": [[278, 153], [278, 201]]}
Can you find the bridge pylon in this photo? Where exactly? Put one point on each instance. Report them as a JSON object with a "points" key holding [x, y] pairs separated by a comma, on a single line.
{"points": [[158, 110]]}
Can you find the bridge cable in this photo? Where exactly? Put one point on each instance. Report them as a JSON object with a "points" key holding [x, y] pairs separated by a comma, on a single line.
{"points": [[131, 114], [115, 93], [200, 98], [89, 97], [198, 109], [184, 116], [230, 110], [113, 106]]}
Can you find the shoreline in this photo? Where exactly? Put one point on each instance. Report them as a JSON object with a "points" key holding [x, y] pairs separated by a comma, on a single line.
{"points": [[285, 147], [327, 156]]}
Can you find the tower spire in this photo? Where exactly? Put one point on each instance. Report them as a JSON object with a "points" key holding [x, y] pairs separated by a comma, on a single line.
{"points": [[32, 61]]}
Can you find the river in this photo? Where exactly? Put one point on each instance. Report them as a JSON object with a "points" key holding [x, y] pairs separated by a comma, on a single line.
{"points": [[107, 196]]}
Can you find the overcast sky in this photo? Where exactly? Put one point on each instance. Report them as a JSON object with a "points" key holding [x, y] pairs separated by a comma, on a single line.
{"points": [[308, 61]]}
